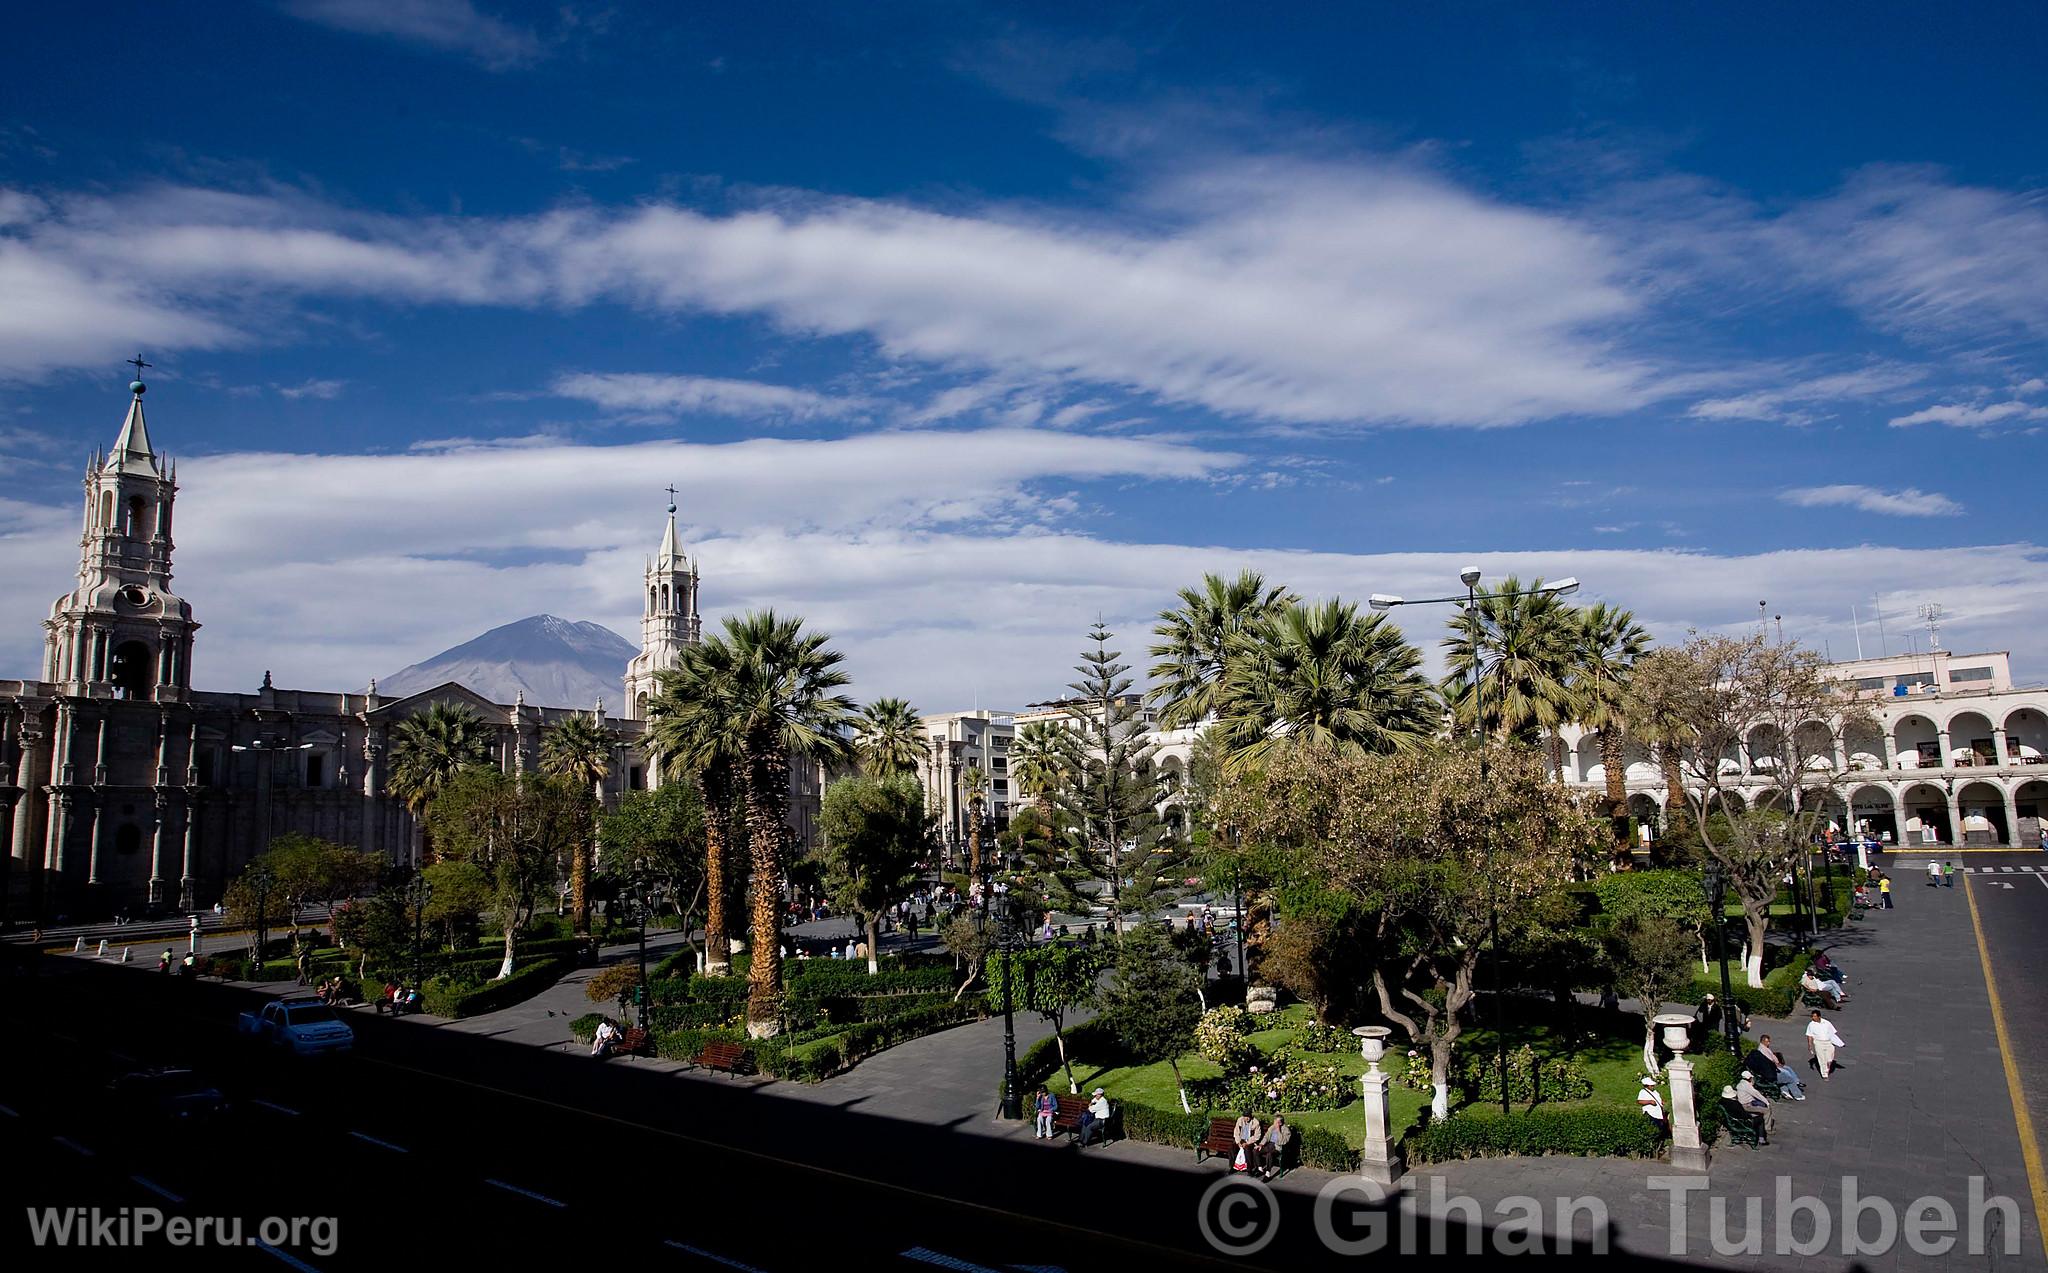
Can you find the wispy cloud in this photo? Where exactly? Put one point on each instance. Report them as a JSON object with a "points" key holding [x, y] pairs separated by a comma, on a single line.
{"points": [[322, 389], [1902, 503], [454, 26], [665, 397], [1806, 401], [1973, 417]]}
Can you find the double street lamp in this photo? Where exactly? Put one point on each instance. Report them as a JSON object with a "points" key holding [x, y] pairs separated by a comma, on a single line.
{"points": [[418, 892], [1469, 603], [1007, 940]]}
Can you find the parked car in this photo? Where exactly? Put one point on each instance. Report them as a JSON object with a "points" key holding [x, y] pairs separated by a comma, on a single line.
{"points": [[167, 1095], [306, 1026]]}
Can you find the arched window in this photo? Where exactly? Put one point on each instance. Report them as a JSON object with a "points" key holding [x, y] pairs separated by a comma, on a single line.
{"points": [[651, 604], [106, 510], [131, 669], [138, 518], [664, 596]]}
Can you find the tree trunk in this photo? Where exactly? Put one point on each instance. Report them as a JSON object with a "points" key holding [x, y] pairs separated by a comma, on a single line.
{"points": [[579, 873], [1611, 757], [1674, 787], [1649, 1039], [717, 821], [1059, 1038], [511, 930], [974, 841], [874, 948], [1440, 1077], [767, 791], [1179, 1087], [1753, 958]]}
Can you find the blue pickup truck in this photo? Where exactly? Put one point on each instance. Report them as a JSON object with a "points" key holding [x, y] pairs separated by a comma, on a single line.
{"points": [[305, 1026]]}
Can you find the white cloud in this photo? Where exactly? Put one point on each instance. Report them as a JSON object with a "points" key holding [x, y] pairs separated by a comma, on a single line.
{"points": [[1973, 417], [1903, 503], [664, 397], [1294, 294], [454, 26], [1804, 401], [322, 389]]}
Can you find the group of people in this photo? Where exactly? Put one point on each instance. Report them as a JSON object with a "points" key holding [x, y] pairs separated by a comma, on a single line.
{"points": [[606, 1038], [396, 998], [333, 992], [1261, 1149], [1823, 1042], [1094, 1119], [1824, 977]]}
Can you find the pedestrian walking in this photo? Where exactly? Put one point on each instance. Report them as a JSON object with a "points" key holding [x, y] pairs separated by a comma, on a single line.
{"points": [[1884, 889], [1948, 874], [1822, 1042], [1933, 873]]}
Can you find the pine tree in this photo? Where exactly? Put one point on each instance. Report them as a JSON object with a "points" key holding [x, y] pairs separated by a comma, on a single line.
{"points": [[1112, 839]]}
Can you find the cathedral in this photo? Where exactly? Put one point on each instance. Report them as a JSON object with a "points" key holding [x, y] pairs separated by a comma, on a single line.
{"points": [[124, 790]]}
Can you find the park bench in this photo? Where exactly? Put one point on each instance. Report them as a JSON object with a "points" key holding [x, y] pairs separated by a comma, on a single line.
{"points": [[1818, 999], [634, 1042], [1219, 1140], [1745, 1127], [732, 1058], [1067, 1118]]}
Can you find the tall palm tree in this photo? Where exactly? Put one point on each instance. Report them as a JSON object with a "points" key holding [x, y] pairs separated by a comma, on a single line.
{"points": [[1610, 642], [1657, 716], [890, 739], [1040, 760], [975, 784], [788, 708], [580, 749], [1319, 671], [694, 720], [1193, 650], [428, 749], [1524, 647]]}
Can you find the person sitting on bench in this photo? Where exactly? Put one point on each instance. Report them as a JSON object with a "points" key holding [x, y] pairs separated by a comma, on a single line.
{"points": [[1273, 1148], [1747, 1096], [1247, 1136], [1095, 1119], [1814, 985], [1764, 1059], [605, 1040]]}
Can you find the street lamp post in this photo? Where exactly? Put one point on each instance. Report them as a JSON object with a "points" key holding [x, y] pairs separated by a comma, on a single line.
{"points": [[1005, 942], [260, 880], [1469, 604], [1715, 884], [269, 745], [418, 892]]}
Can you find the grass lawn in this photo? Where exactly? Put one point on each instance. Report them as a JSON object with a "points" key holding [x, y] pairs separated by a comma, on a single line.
{"points": [[1612, 1059]]}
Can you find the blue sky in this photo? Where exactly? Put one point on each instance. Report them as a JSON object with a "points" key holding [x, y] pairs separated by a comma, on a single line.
{"points": [[957, 326]]}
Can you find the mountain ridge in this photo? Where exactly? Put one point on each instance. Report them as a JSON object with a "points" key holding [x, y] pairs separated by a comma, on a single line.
{"points": [[554, 662]]}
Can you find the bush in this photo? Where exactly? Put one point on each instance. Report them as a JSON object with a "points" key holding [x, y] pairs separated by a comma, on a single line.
{"points": [[1220, 1037], [1317, 1037], [1287, 1080], [1582, 1130], [615, 984], [1324, 1150], [584, 1028], [1163, 1126], [684, 1045], [681, 1016], [456, 999], [1710, 1073], [1552, 1079]]}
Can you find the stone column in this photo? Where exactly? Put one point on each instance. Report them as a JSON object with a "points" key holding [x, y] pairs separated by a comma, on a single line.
{"points": [[1955, 811], [1381, 1160], [1998, 752], [1841, 751], [53, 846], [28, 775], [1947, 761], [2012, 818], [185, 869], [1891, 750], [92, 860], [156, 850], [1686, 1150]]}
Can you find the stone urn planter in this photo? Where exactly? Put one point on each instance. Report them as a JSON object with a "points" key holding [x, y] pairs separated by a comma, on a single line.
{"points": [[1262, 999]]}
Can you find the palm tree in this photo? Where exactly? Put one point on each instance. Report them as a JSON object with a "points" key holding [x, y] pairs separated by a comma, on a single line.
{"points": [[787, 708], [580, 749], [1321, 672], [1657, 717], [1524, 644], [975, 784], [428, 749], [890, 738], [694, 720], [1610, 642], [1040, 760], [1194, 642]]}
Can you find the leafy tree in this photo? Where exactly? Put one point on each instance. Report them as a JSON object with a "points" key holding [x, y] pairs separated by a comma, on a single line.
{"points": [[374, 928], [1110, 830], [875, 834], [515, 829], [429, 748], [1322, 674], [1052, 980], [580, 750], [1720, 696], [1153, 1001], [306, 870], [1039, 762], [458, 894], [1671, 898], [968, 943], [1524, 643], [1651, 962], [251, 908], [1195, 639], [658, 836], [889, 739]]}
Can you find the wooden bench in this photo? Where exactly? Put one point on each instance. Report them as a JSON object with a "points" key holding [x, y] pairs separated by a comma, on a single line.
{"points": [[732, 1058], [1745, 1127], [634, 1042], [1221, 1140], [1067, 1118]]}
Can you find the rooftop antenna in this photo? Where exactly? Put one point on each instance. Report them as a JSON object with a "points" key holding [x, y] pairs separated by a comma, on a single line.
{"points": [[1857, 623], [1781, 628], [1930, 614], [1884, 648]]}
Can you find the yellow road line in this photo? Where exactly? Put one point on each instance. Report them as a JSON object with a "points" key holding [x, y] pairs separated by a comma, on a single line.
{"points": [[2029, 1149]]}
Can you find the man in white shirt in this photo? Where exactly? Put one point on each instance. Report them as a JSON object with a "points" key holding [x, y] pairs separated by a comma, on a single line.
{"points": [[1650, 1100], [1822, 1040], [1097, 1126], [607, 1034]]}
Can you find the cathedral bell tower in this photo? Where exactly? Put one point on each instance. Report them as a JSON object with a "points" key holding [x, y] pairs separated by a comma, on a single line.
{"points": [[121, 632], [667, 623]]}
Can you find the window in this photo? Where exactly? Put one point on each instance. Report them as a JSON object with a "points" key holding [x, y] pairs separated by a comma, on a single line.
{"points": [[1917, 679], [1969, 674], [636, 779], [1001, 764], [203, 762], [1002, 786], [1870, 682], [316, 769]]}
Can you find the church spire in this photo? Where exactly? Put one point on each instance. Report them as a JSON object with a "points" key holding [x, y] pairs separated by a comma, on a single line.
{"points": [[670, 556], [668, 623], [132, 451]]}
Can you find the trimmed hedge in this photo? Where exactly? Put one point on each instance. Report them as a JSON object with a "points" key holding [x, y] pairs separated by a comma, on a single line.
{"points": [[584, 1028], [1776, 998], [455, 1000], [1583, 1130]]}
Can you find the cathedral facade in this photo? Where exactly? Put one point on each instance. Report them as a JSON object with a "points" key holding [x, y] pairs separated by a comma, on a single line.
{"points": [[124, 790]]}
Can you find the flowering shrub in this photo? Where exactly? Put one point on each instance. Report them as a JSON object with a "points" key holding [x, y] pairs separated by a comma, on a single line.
{"points": [[1410, 1070], [1529, 1079], [1220, 1037], [1285, 1081], [1317, 1037]]}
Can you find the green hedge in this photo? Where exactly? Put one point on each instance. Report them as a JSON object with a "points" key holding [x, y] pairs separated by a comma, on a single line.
{"points": [[809, 1056], [1776, 998], [1585, 1130], [584, 1028], [1162, 1126], [456, 1000]]}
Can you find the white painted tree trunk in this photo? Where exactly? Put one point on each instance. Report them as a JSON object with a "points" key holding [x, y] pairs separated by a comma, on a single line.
{"points": [[1184, 1102], [1440, 1103]]}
